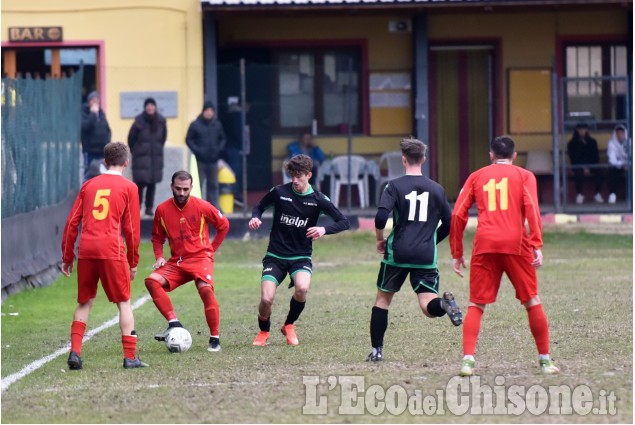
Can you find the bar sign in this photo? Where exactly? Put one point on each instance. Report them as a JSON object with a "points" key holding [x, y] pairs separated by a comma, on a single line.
{"points": [[35, 34]]}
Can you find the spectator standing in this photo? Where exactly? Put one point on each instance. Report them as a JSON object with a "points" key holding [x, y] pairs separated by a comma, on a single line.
{"points": [[146, 139], [617, 152], [206, 139], [95, 133], [583, 152]]}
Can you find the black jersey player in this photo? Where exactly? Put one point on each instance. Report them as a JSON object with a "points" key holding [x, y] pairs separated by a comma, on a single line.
{"points": [[418, 205], [297, 208]]}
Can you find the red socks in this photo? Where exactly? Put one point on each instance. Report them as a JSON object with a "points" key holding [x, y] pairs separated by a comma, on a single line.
{"points": [[161, 299], [129, 343], [471, 328], [537, 323], [539, 328], [77, 336], [212, 312]]}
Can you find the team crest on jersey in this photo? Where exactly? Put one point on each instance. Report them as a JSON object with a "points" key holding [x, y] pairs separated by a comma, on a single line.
{"points": [[182, 220], [293, 221]]}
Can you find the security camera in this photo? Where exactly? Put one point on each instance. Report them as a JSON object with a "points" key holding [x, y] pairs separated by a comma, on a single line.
{"points": [[399, 25]]}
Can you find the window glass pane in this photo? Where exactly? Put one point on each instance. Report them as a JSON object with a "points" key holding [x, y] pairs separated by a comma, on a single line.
{"points": [[619, 68], [597, 97], [341, 84], [296, 89], [572, 67]]}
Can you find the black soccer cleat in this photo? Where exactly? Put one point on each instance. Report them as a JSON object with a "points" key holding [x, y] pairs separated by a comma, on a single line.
{"points": [[376, 355], [133, 363], [162, 336], [452, 309], [74, 361], [214, 344]]}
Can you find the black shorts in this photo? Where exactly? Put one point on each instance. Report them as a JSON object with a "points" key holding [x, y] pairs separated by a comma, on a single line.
{"points": [[276, 269], [391, 278]]}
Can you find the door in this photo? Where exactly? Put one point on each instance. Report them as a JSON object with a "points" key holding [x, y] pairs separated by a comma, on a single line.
{"points": [[460, 113], [258, 80]]}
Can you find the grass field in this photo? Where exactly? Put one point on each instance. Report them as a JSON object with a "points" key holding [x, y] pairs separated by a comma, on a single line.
{"points": [[586, 288]]}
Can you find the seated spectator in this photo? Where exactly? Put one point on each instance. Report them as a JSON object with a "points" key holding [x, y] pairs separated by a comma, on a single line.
{"points": [[307, 146], [617, 153], [583, 151]]}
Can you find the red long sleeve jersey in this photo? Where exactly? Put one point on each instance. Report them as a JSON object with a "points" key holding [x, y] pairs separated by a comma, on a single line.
{"points": [[187, 229], [506, 197], [105, 204]]}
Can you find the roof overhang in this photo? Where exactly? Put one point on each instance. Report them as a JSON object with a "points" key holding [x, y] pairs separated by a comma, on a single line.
{"points": [[374, 4]]}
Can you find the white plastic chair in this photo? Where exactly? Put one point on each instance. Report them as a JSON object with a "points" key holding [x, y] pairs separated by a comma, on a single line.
{"points": [[339, 177], [392, 162]]}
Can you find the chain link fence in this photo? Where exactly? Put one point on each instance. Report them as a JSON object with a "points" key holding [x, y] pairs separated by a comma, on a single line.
{"points": [[41, 121]]}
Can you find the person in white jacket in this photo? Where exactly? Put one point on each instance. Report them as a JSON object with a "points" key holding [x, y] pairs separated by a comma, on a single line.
{"points": [[618, 157]]}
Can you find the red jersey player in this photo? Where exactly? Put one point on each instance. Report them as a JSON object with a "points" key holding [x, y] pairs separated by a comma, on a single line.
{"points": [[105, 204], [184, 222], [506, 197]]}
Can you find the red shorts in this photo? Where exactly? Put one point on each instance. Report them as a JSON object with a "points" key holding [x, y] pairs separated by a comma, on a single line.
{"points": [[486, 271], [179, 272], [113, 274]]}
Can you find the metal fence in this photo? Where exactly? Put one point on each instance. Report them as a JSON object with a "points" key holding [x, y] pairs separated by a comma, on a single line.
{"points": [[41, 122], [600, 103]]}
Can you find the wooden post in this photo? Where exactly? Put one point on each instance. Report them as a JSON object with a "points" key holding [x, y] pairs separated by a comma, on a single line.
{"points": [[56, 65], [9, 63]]}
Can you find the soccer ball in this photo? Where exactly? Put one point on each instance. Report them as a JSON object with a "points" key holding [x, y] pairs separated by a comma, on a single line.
{"points": [[178, 340]]}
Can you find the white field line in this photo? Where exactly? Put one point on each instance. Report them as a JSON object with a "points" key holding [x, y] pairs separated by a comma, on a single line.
{"points": [[6, 382]]}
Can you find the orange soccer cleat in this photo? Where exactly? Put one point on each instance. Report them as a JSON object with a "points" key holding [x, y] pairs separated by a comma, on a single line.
{"points": [[289, 332], [261, 339]]}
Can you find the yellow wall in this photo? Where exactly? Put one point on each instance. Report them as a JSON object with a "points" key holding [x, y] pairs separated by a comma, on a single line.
{"points": [[150, 45], [387, 51], [157, 45], [528, 40]]}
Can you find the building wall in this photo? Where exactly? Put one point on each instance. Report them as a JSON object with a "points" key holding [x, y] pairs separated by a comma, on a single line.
{"points": [[149, 45], [527, 40], [387, 51]]}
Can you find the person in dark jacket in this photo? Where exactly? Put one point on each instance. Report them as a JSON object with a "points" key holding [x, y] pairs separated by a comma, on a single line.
{"points": [[206, 139], [583, 152], [146, 140], [95, 133]]}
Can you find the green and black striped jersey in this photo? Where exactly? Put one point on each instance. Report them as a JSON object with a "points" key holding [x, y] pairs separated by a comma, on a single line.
{"points": [[418, 205], [293, 214]]}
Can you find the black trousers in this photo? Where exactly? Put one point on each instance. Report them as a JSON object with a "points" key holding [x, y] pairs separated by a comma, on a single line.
{"points": [[208, 175], [617, 179], [150, 191], [578, 174]]}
